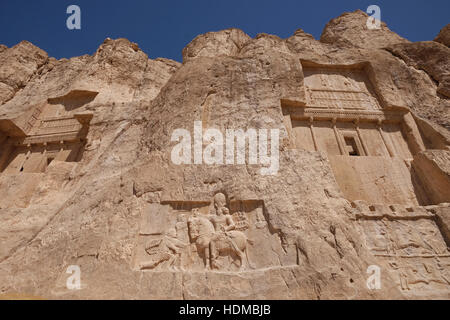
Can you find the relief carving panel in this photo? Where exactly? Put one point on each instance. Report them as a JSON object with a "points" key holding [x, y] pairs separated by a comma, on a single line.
{"points": [[208, 235], [334, 88], [410, 243]]}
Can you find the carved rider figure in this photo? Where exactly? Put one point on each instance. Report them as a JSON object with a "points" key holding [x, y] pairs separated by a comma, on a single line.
{"points": [[222, 221], [217, 234]]}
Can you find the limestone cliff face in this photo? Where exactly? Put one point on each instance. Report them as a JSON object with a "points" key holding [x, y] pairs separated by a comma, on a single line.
{"points": [[18, 65], [88, 179]]}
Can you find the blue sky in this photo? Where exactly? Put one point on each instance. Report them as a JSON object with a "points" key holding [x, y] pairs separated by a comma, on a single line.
{"points": [[162, 28]]}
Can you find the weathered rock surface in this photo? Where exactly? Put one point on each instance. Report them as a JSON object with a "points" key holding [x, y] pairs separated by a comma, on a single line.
{"points": [[350, 30], [432, 57], [444, 36], [17, 66], [212, 44], [88, 179]]}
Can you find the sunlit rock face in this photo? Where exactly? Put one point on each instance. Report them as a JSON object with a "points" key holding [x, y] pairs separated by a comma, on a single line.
{"points": [[357, 208]]}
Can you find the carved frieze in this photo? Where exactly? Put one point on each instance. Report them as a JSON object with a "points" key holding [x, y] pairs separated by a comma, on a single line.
{"points": [[334, 88], [409, 241], [206, 235]]}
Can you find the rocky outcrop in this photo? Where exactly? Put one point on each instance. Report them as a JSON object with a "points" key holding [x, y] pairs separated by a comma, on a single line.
{"points": [[429, 56], [444, 36], [17, 66], [350, 30], [118, 70], [212, 44]]}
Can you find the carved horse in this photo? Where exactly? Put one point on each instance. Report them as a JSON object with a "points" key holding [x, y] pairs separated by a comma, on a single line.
{"points": [[202, 233]]}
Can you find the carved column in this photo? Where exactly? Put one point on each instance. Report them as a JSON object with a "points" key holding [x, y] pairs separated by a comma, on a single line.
{"points": [[388, 146], [366, 151], [311, 127], [413, 136], [338, 139], [43, 164], [26, 156]]}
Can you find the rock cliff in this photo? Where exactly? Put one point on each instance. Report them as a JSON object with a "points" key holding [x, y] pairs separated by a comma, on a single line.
{"points": [[88, 178]]}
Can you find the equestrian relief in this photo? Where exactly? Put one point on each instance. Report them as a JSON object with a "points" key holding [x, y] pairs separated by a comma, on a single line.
{"points": [[216, 235]]}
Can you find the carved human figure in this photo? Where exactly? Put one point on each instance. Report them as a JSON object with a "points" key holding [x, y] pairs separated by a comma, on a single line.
{"points": [[221, 218], [407, 238], [378, 237], [168, 248], [181, 228], [223, 223], [260, 219], [403, 275]]}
